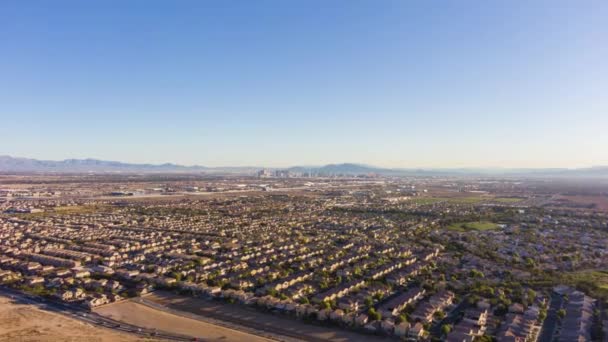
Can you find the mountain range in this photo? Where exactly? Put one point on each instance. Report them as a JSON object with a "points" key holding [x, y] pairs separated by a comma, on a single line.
{"points": [[360, 169], [13, 164]]}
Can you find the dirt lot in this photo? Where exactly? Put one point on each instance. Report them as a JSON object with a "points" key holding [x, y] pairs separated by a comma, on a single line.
{"points": [[580, 201], [250, 317], [141, 315], [21, 323]]}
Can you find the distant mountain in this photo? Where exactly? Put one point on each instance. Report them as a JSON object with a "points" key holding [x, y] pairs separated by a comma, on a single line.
{"points": [[359, 169], [341, 169], [12, 164], [352, 169]]}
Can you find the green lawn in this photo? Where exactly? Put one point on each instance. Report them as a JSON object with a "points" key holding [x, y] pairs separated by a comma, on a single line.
{"points": [[508, 199], [69, 210], [465, 200], [454, 200], [468, 226], [426, 200]]}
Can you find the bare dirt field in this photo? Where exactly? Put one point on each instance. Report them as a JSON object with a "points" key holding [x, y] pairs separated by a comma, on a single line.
{"points": [[590, 202], [25, 323], [250, 317], [141, 315]]}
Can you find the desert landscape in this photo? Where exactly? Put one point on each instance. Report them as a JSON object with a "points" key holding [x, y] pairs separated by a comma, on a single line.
{"points": [[140, 315], [23, 323]]}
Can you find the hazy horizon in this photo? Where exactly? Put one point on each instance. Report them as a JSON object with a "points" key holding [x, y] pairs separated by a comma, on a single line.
{"points": [[497, 168], [276, 84]]}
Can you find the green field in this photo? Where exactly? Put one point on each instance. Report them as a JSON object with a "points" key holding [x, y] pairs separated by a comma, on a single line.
{"points": [[69, 210], [508, 199], [594, 283], [468, 226], [80, 209], [426, 200], [454, 200], [465, 200]]}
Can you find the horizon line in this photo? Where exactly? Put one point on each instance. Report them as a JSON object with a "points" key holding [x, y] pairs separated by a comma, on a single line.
{"points": [[318, 165]]}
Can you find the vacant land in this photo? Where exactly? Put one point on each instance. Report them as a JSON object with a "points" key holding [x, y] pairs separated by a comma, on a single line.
{"points": [[143, 316], [252, 318], [591, 202], [20, 322], [468, 226]]}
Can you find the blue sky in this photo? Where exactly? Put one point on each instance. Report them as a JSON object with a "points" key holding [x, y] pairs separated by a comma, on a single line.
{"points": [[278, 83]]}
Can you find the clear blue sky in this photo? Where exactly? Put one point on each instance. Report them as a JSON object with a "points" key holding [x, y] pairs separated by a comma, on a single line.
{"points": [[276, 83]]}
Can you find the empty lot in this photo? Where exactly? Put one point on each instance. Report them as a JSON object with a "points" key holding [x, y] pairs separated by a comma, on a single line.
{"points": [[25, 322]]}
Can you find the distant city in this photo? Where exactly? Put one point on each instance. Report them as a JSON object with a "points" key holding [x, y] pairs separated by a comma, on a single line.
{"points": [[13, 164]]}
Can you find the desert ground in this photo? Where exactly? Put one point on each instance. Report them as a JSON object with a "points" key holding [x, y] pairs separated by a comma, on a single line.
{"points": [[141, 315], [249, 317], [24, 323]]}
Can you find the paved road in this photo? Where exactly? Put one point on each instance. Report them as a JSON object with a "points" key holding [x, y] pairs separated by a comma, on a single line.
{"points": [[550, 323], [92, 318]]}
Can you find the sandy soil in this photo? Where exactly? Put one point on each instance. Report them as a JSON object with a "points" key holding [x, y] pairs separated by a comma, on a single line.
{"points": [[24, 323], [141, 315], [251, 317], [601, 202]]}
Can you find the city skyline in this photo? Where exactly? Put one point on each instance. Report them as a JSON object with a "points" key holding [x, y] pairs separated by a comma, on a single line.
{"points": [[397, 85]]}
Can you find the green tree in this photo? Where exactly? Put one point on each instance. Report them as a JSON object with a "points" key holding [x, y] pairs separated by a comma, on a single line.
{"points": [[542, 315], [177, 275], [401, 318], [531, 295], [325, 305], [445, 329], [373, 314], [530, 263]]}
